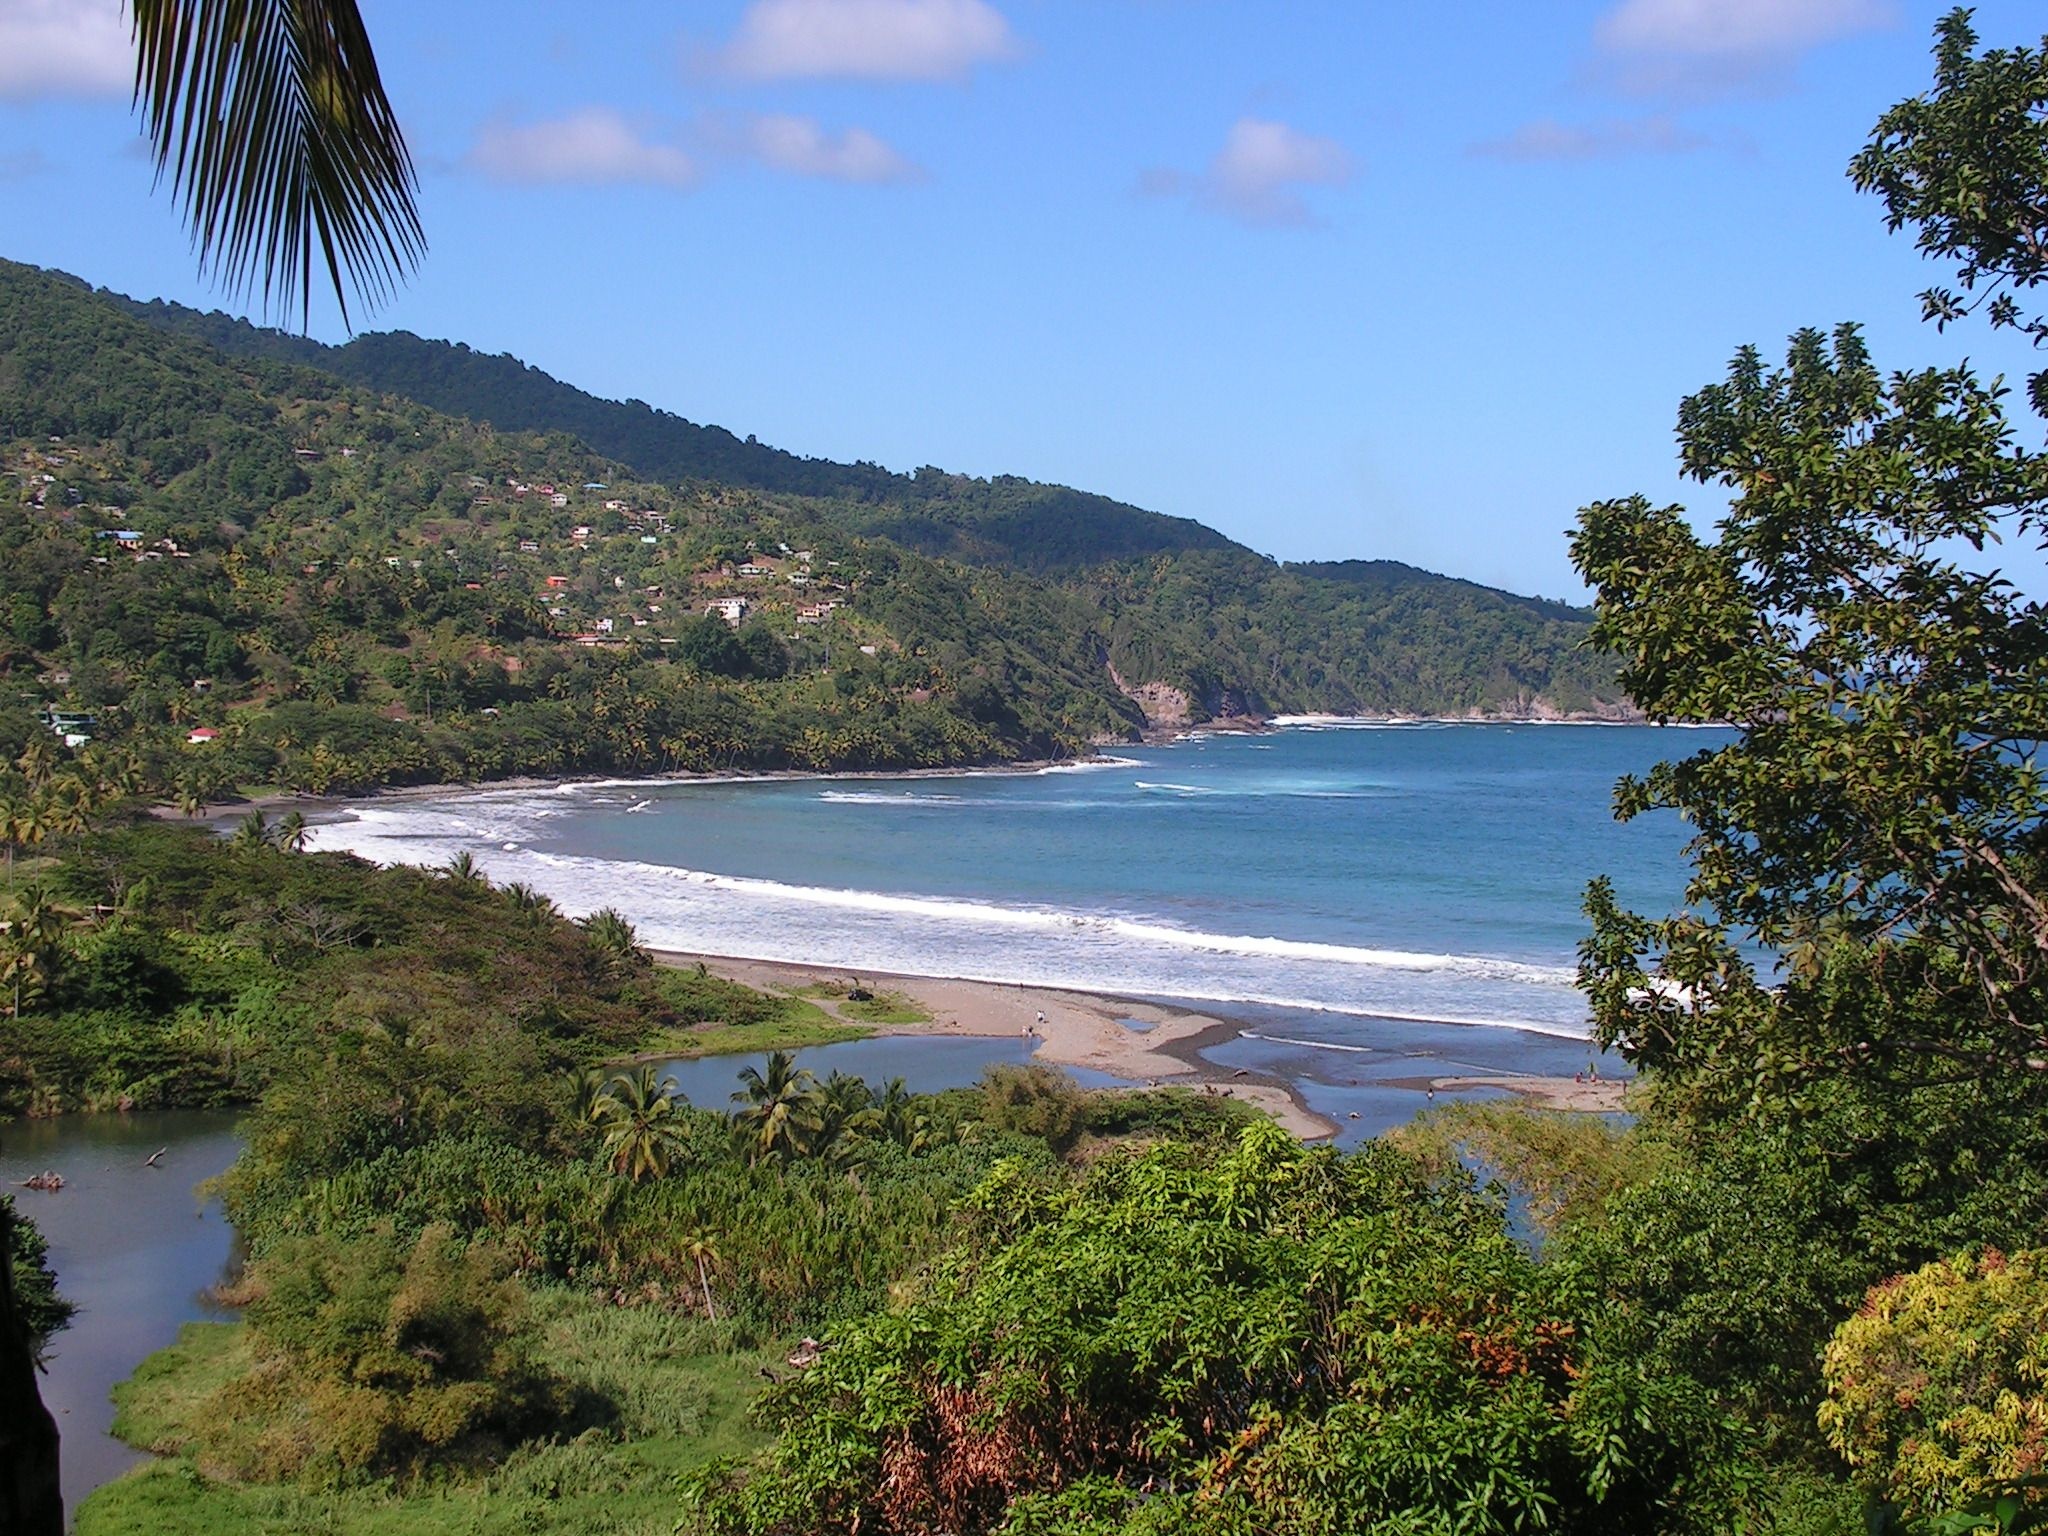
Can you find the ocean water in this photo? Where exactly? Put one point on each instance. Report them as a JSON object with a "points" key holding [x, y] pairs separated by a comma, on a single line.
{"points": [[1332, 882]]}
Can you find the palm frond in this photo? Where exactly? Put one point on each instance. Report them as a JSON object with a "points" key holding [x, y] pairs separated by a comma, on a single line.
{"points": [[270, 119]]}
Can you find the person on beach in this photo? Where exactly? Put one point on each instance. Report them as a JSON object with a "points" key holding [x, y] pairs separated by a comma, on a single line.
{"points": [[1039, 1027]]}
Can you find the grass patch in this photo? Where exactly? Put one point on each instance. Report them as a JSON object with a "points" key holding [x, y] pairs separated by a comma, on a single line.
{"points": [[153, 1408], [812, 1027], [875, 1008], [679, 1385]]}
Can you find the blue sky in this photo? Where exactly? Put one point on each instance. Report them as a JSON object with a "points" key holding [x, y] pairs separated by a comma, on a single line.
{"points": [[1342, 280]]}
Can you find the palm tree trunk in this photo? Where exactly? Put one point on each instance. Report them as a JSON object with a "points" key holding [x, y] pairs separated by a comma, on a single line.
{"points": [[705, 1281]]}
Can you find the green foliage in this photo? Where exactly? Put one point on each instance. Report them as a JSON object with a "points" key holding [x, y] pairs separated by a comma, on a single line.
{"points": [[381, 1358], [1846, 1025], [636, 1114], [1877, 823], [1564, 1166], [37, 1303], [671, 1392], [353, 590], [1964, 165], [1937, 1390], [1266, 1339], [1039, 1102]]}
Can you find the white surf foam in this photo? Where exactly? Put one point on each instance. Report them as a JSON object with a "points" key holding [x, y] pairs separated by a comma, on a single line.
{"points": [[1123, 953]]}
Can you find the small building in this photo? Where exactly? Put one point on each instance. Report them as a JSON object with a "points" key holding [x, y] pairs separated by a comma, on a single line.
{"points": [[751, 569], [558, 582], [200, 735], [529, 546], [730, 609]]}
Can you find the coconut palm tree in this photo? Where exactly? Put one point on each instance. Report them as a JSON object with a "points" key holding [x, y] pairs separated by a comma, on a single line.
{"points": [[703, 1248], [252, 831], [291, 832], [38, 759], [785, 1109], [530, 901], [587, 1095], [21, 826], [465, 869], [35, 928], [896, 1117], [642, 1131], [272, 124], [613, 935]]}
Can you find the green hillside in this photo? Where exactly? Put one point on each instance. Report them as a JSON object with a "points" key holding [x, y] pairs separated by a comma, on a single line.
{"points": [[1006, 520], [352, 587]]}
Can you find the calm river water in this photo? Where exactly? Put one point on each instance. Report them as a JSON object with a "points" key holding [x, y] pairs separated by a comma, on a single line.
{"points": [[134, 1247]]}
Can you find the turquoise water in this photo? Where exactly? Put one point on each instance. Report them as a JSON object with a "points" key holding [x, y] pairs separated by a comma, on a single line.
{"points": [[1329, 879]]}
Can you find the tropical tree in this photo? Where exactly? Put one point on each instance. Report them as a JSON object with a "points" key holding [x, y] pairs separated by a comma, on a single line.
{"points": [[252, 831], [271, 121], [642, 1131], [587, 1096], [464, 868], [613, 935], [701, 1248], [785, 1110], [1880, 824], [291, 832], [1255, 1338], [897, 1117], [21, 826], [28, 950], [525, 898], [1964, 165]]}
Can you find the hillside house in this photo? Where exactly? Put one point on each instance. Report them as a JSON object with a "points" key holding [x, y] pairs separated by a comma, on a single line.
{"points": [[558, 583], [730, 609]]}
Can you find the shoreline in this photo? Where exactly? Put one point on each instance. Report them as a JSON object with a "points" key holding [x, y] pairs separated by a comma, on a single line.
{"points": [[1081, 1029], [1084, 1029], [1102, 755]]}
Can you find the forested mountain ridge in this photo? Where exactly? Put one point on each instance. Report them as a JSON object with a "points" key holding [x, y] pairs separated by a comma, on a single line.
{"points": [[1006, 520], [356, 588]]}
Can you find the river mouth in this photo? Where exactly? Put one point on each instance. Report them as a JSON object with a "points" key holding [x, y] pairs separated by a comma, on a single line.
{"points": [[135, 1248]]}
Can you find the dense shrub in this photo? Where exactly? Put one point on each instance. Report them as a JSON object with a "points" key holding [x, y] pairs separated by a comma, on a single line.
{"points": [[1938, 1388], [381, 1357]]}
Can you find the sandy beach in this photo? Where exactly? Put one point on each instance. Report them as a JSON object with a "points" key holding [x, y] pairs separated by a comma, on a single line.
{"points": [[1086, 1030]]}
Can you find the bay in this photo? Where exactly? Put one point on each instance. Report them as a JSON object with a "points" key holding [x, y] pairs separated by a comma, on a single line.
{"points": [[1337, 875]]}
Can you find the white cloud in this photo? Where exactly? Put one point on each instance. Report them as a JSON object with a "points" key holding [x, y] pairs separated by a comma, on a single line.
{"points": [[64, 48], [867, 39], [594, 147], [1700, 49], [1548, 139], [800, 147], [1258, 175], [1751, 28]]}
